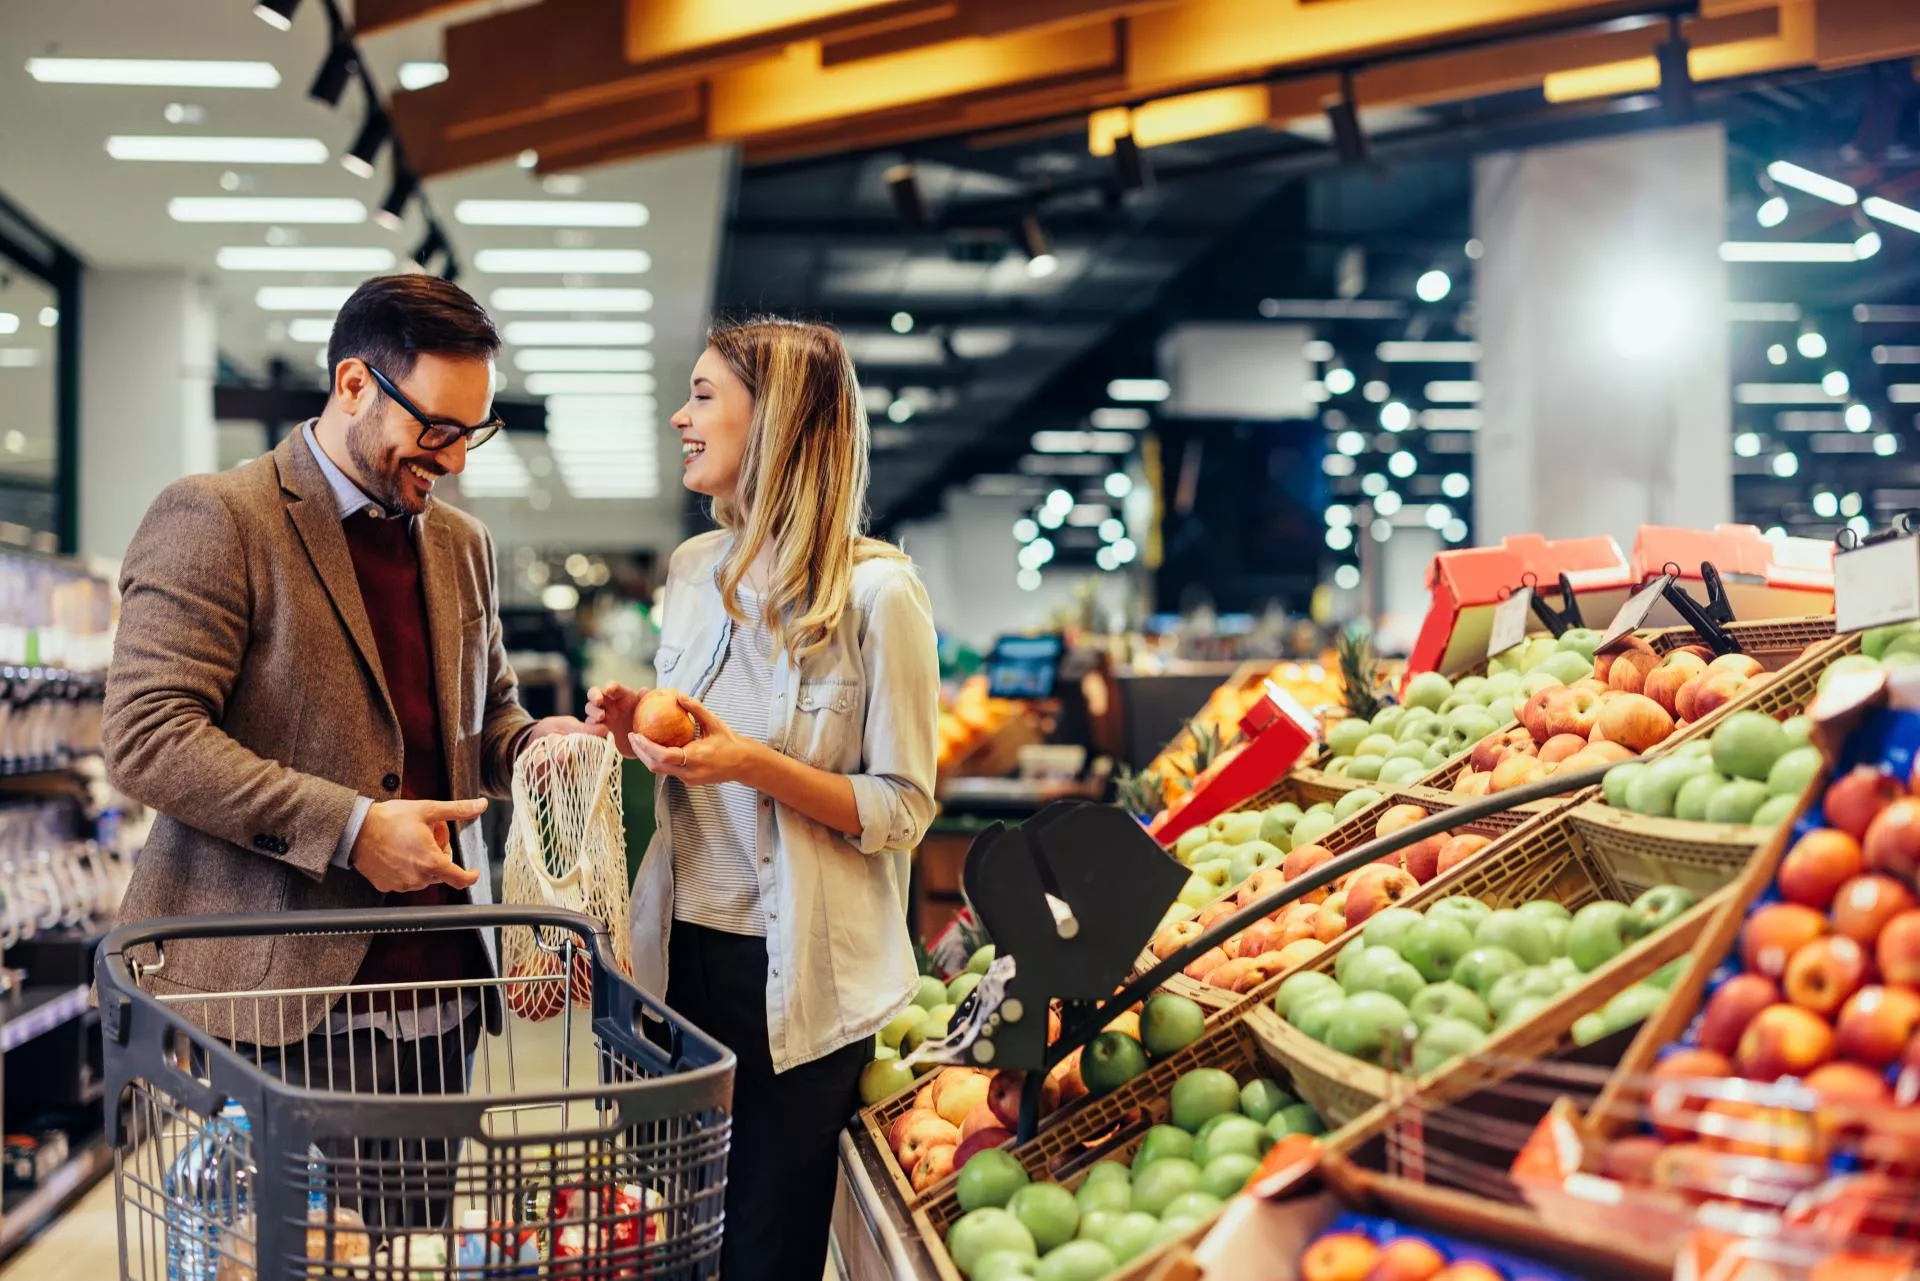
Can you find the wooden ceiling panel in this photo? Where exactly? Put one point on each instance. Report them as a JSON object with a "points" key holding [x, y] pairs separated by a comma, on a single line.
{"points": [[1848, 33], [666, 31], [373, 16], [433, 151], [982, 18]]}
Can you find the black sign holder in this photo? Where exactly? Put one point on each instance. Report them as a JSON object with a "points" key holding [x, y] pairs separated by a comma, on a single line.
{"points": [[1558, 621], [1707, 620]]}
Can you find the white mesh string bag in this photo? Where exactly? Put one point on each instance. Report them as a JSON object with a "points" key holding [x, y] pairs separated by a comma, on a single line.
{"points": [[566, 848]]}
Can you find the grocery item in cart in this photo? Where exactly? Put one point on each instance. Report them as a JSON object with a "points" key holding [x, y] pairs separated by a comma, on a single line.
{"points": [[208, 1188], [338, 1248]]}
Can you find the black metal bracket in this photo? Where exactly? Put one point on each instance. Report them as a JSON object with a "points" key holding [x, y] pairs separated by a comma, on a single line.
{"points": [[1707, 620], [1848, 540], [1558, 621]]}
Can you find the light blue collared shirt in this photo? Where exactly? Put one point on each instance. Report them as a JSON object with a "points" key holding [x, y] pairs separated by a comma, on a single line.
{"points": [[349, 498]]}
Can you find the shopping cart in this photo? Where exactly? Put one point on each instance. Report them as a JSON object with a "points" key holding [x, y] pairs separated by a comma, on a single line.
{"points": [[593, 1149]]}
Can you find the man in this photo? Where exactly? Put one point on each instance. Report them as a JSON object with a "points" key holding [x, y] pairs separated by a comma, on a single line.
{"points": [[309, 687]]}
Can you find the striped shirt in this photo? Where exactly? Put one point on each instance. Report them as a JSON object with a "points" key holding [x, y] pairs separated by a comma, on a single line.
{"points": [[716, 828]]}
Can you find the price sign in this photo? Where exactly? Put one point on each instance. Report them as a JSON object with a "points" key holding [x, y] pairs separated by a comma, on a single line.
{"points": [[1876, 585], [1510, 622], [1632, 614]]}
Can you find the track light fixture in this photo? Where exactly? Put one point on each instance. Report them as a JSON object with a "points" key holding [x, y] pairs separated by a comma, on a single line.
{"points": [[1676, 77], [1130, 165], [360, 157], [338, 68], [1343, 116], [277, 14], [451, 272], [904, 186], [1041, 261], [393, 210], [433, 243]]}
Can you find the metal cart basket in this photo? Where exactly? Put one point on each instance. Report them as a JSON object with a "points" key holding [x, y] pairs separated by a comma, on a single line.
{"points": [[592, 1148]]}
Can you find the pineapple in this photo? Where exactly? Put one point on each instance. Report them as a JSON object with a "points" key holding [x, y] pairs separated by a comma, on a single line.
{"points": [[1141, 793], [1359, 670]]}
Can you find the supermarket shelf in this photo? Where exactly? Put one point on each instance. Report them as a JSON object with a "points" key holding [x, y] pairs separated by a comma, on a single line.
{"points": [[34, 1210], [35, 1011]]}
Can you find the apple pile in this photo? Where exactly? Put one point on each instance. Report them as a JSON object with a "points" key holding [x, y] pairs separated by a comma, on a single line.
{"points": [[1752, 770], [1179, 1177], [1222, 854], [928, 1016], [1298, 932], [1380, 1250], [1461, 969], [1824, 988]]}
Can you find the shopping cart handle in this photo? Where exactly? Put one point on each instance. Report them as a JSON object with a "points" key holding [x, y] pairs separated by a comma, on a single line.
{"points": [[348, 921]]}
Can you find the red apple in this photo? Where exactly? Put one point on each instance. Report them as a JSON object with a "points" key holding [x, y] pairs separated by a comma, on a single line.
{"points": [[1376, 887], [1663, 683], [1533, 715], [1261, 936], [1203, 965], [1849, 1083], [1817, 866], [1174, 937], [1866, 905], [1302, 859], [1774, 933], [925, 1130], [1338, 1256], [1473, 783], [1488, 752], [1674, 1096], [980, 1141], [1406, 1259], [1397, 817], [1516, 771], [1877, 1024], [1683, 698], [1898, 950], [1458, 850], [1299, 952], [935, 1164], [1561, 746], [1632, 1159], [1003, 1096], [1731, 1007], [1892, 843], [1745, 664], [1856, 798], [1569, 712], [1261, 968], [1215, 912], [1264, 881], [1629, 671], [1715, 689], [982, 1117], [1635, 721], [1330, 922], [1783, 1040], [1422, 858], [1822, 974]]}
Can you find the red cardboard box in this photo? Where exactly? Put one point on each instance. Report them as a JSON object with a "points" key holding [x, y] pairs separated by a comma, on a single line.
{"points": [[1764, 577], [1277, 732]]}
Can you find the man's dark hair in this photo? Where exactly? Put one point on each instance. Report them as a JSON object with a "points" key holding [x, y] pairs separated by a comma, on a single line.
{"points": [[391, 321]]}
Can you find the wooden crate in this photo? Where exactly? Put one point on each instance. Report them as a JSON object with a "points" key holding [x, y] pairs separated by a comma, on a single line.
{"points": [[1231, 1047], [1543, 860], [1761, 638]]}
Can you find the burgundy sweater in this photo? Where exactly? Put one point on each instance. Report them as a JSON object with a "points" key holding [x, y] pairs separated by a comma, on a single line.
{"points": [[387, 564]]}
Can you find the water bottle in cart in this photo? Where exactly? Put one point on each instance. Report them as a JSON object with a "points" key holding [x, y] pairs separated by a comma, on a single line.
{"points": [[208, 1189]]}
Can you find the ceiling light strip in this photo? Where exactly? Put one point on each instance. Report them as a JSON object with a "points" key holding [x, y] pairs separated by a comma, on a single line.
{"points": [[551, 213], [173, 73], [577, 301], [338, 211], [205, 149]]}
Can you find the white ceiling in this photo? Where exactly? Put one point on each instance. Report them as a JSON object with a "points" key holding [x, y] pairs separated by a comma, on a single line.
{"points": [[114, 213]]}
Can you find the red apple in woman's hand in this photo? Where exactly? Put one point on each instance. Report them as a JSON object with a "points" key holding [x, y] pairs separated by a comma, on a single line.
{"points": [[661, 719]]}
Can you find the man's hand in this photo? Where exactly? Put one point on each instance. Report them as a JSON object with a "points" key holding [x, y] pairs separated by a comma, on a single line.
{"points": [[610, 711], [561, 725], [405, 846]]}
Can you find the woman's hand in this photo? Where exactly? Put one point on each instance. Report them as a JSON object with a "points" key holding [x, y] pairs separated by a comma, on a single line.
{"points": [[610, 711], [718, 755]]}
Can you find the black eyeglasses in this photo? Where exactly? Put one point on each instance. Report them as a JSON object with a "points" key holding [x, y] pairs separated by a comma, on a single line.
{"points": [[438, 433]]}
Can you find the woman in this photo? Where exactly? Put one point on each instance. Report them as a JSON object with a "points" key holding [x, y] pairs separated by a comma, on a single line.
{"points": [[771, 906]]}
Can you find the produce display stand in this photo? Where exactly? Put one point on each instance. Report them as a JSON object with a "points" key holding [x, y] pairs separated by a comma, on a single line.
{"points": [[1764, 577]]}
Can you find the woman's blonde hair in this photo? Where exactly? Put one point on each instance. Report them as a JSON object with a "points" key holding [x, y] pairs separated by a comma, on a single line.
{"points": [[803, 479]]}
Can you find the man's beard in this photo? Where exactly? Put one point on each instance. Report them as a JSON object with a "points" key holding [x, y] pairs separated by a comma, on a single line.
{"points": [[380, 472]]}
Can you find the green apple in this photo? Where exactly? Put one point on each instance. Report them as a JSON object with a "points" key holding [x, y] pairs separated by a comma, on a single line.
{"points": [[1175, 1227], [1161, 1143], [1566, 969], [1345, 736], [1434, 947], [1533, 682], [1320, 807], [1460, 907], [1556, 929], [930, 993], [1239, 827], [1481, 968], [1200, 1094], [1104, 1196], [1214, 872], [1249, 857], [1747, 744], [1776, 811], [1198, 1204], [1196, 893], [1737, 801], [1794, 772], [1260, 1098], [1225, 1176], [1501, 709], [1412, 749], [1436, 757], [1107, 1171], [1170, 1023], [961, 986], [1133, 1236], [1305, 985], [1403, 770], [1048, 1212], [1156, 1186], [1312, 827], [1388, 927], [1350, 804], [1312, 1017], [1449, 1000], [1660, 906], [1568, 665], [1799, 729], [1690, 802], [1383, 970], [1276, 824], [1372, 1027], [1523, 1009], [1537, 650], [1190, 841], [985, 1231], [1235, 1133], [1427, 689], [1110, 1060], [1582, 641], [1545, 909], [1613, 787], [1426, 731], [1537, 983], [1387, 719], [883, 1078], [1861, 662], [1655, 791], [1625, 1010], [1298, 1119], [1524, 936], [1874, 641], [1468, 726], [1444, 1040], [1343, 961], [1004, 1265], [902, 1023], [1376, 744], [1669, 974], [1599, 932], [1214, 851], [989, 1178], [1502, 684], [1695, 747], [1473, 689], [1076, 1261]]}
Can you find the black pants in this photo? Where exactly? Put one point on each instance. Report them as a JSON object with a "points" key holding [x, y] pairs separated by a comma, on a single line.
{"points": [[396, 1185], [784, 1163]]}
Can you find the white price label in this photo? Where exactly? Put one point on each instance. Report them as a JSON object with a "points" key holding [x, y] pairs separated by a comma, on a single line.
{"points": [[1877, 585], [1632, 614], [1510, 622]]}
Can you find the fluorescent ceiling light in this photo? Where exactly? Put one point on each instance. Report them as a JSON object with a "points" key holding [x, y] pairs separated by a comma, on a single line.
{"points": [[1814, 184], [9, 323], [868, 348], [550, 213], [1887, 211], [304, 258], [1886, 355], [578, 333], [327, 298], [1788, 251], [1464, 392], [1782, 394], [1407, 353], [1904, 393], [1453, 419], [497, 471], [19, 358], [340, 210], [1118, 418], [1142, 389], [1082, 442], [307, 329], [196, 149], [584, 359], [1764, 312], [1331, 309], [420, 75], [160, 72], [1319, 350], [510, 298], [559, 261], [983, 343], [589, 384], [1885, 314]]}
